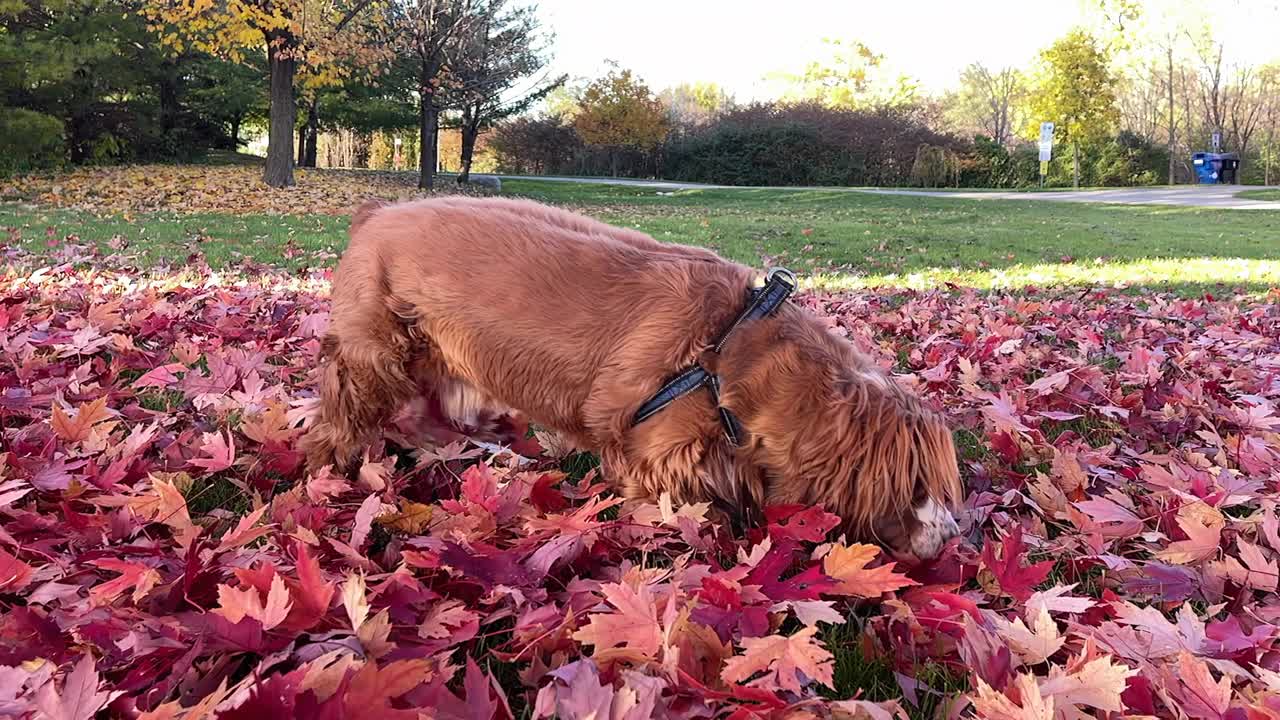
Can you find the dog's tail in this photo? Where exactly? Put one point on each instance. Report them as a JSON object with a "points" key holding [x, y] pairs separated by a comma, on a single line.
{"points": [[366, 211]]}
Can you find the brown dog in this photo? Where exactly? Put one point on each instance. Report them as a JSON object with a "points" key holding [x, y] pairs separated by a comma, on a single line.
{"points": [[497, 305]]}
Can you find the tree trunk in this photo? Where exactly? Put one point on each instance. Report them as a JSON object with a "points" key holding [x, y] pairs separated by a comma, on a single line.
{"points": [[1075, 163], [613, 161], [428, 128], [470, 131], [235, 131], [168, 92], [302, 147], [313, 137], [1266, 169], [1173, 145], [311, 132], [279, 172]]}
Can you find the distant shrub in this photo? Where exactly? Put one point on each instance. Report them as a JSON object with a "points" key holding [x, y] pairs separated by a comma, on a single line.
{"points": [[931, 168], [1129, 159], [804, 144], [29, 141], [534, 145], [733, 154]]}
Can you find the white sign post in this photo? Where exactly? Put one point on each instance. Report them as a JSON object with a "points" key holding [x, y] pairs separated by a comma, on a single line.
{"points": [[1046, 149]]}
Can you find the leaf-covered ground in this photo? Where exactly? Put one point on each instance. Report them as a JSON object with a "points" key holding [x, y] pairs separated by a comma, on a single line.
{"points": [[234, 189], [163, 556]]}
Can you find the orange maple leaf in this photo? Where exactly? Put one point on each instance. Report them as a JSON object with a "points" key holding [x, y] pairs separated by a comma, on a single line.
{"points": [[269, 425], [781, 659], [75, 429], [848, 565], [133, 576], [235, 605], [634, 625], [372, 688]]}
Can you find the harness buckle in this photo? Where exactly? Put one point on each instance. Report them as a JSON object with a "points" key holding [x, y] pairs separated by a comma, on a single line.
{"points": [[785, 275]]}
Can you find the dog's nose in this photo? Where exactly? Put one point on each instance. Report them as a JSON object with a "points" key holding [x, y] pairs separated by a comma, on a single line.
{"points": [[936, 526]]}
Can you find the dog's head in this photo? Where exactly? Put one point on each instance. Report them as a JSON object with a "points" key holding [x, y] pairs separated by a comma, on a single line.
{"points": [[921, 485], [881, 460]]}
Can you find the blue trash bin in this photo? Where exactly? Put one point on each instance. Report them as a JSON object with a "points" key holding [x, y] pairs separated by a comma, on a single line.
{"points": [[1207, 166]]}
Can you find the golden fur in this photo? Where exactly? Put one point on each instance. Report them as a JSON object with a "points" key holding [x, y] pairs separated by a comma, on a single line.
{"points": [[496, 304]]}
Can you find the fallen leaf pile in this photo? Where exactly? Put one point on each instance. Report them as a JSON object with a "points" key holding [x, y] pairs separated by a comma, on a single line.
{"points": [[211, 189], [162, 554]]}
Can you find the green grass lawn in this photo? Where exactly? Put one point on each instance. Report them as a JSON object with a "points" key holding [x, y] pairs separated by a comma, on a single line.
{"points": [[835, 238], [1270, 194]]}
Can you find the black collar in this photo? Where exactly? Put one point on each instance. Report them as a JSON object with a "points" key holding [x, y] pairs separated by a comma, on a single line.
{"points": [[778, 286]]}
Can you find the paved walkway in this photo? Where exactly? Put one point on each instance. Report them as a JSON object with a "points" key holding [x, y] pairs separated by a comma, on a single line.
{"points": [[1208, 196]]}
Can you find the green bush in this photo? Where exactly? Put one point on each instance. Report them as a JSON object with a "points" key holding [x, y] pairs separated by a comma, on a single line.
{"points": [[787, 154], [804, 144], [29, 141], [991, 165], [1129, 160]]}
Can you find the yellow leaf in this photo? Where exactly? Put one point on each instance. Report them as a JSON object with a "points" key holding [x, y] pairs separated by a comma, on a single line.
{"points": [[353, 599], [412, 518]]}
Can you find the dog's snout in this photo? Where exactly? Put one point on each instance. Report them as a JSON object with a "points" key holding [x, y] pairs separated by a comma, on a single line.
{"points": [[936, 525]]}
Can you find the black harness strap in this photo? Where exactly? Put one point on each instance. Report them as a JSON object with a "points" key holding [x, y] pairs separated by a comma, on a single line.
{"points": [[779, 284], [682, 384]]}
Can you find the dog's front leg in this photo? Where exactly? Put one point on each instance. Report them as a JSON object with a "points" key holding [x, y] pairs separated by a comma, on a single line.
{"points": [[360, 386]]}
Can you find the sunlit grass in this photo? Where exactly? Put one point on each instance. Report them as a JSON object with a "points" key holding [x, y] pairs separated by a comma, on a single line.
{"points": [[1188, 276], [1269, 194]]}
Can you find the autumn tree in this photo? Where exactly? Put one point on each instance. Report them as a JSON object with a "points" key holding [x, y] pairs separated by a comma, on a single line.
{"points": [[990, 102], [691, 105], [326, 38], [1233, 98], [849, 75], [430, 34], [619, 112], [1270, 120], [115, 93], [495, 74], [1076, 92]]}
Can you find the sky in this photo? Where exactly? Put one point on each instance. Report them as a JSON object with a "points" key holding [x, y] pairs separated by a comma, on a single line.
{"points": [[738, 43]]}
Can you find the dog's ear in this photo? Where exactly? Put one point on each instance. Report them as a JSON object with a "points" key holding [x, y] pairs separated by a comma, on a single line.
{"points": [[365, 212]]}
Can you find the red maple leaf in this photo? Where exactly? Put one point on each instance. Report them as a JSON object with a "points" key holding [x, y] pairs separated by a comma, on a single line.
{"points": [[310, 593], [808, 584], [545, 497], [1015, 579], [799, 522], [14, 574]]}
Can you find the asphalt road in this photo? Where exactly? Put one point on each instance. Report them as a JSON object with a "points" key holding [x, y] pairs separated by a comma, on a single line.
{"points": [[1207, 196]]}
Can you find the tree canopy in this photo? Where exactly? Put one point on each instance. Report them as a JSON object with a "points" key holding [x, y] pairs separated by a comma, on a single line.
{"points": [[619, 110]]}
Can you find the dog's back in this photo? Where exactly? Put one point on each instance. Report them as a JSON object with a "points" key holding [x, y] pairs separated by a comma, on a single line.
{"points": [[487, 279]]}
